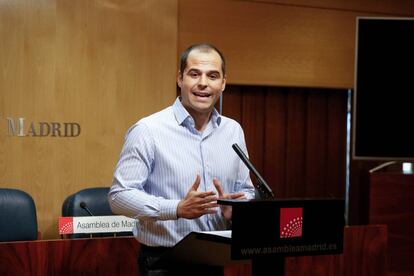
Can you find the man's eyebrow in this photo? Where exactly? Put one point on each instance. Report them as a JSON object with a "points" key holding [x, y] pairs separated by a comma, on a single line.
{"points": [[193, 69], [213, 72], [208, 72]]}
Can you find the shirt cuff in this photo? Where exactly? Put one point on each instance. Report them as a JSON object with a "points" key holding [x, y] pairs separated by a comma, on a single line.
{"points": [[168, 209]]}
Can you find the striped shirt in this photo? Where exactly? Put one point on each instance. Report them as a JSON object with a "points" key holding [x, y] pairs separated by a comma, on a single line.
{"points": [[160, 159]]}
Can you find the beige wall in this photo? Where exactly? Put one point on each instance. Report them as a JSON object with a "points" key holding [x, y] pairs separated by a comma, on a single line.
{"points": [[286, 42], [103, 64]]}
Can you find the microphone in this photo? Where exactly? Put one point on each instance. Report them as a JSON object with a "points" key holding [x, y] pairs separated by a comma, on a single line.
{"points": [[264, 190], [82, 204], [84, 207]]}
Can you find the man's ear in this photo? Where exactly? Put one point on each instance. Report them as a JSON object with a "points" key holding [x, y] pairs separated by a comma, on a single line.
{"points": [[179, 79], [223, 86]]}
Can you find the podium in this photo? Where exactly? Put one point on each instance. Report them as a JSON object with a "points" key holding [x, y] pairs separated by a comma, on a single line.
{"points": [[265, 232]]}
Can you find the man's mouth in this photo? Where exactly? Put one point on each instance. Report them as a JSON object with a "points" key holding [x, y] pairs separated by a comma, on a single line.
{"points": [[200, 94]]}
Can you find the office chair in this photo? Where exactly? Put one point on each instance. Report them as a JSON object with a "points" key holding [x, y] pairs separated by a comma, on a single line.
{"points": [[89, 202], [18, 220]]}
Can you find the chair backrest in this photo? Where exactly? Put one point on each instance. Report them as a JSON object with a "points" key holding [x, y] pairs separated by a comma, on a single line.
{"points": [[18, 220], [96, 201]]}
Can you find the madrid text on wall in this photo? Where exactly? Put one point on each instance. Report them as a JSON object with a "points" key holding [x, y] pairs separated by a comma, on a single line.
{"points": [[20, 127]]}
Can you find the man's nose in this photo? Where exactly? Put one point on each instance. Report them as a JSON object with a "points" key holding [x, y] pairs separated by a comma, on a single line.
{"points": [[202, 82]]}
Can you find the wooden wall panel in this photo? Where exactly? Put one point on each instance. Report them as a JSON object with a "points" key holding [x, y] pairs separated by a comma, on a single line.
{"points": [[232, 102], [270, 44], [283, 43], [336, 142], [96, 256], [364, 254], [296, 137], [296, 144], [253, 120], [275, 139], [398, 7], [316, 143], [103, 64], [391, 203]]}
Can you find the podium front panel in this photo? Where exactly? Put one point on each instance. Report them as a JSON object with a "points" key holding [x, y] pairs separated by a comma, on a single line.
{"points": [[287, 228]]}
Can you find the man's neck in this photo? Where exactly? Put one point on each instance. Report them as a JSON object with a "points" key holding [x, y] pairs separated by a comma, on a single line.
{"points": [[201, 120]]}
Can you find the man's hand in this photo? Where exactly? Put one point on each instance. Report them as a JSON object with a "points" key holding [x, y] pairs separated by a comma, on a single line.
{"points": [[195, 204], [226, 210]]}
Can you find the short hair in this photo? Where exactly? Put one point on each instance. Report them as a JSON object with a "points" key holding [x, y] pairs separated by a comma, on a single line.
{"points": [[202, 47]]}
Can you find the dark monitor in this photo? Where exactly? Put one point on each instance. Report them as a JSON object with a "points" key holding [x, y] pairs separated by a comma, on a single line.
{"points": [[383, 105]]}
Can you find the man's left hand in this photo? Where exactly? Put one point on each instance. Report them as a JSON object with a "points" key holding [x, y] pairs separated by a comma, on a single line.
{"points": [[226, 210]]}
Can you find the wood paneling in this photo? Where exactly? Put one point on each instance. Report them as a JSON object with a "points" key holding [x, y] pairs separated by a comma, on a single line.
{"points": [[391, 203], [296, 137], [336, 141], [97, 256], [232, 102], [398, 7], [274, 166], [283, 43], [103, 64], [279, 45], [295, 147], [316, 143], [359, 191], [252, 118], [364, 254]]}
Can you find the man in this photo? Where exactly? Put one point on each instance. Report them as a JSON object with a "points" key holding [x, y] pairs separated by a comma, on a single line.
{"points": [[176, 163]]}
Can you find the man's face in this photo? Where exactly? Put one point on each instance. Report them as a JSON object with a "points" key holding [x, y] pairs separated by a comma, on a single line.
{"points": [[202, 82]]}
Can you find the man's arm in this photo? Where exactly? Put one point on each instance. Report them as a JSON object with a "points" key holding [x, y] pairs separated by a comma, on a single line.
{"points": [[127, 195]]}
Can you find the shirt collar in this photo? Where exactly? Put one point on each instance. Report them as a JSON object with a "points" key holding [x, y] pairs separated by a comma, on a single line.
{"points": [[181, 114]]}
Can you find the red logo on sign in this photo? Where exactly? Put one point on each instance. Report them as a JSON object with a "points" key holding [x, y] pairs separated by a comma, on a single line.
{"points": [[291, 222], [65, 225]]}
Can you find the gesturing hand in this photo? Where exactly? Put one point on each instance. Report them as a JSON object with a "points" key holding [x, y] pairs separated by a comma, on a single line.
{"points": [[195, 204], [226, 210]]}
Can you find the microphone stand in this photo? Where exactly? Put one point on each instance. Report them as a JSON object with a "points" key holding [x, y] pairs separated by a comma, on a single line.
{"points": [[264, 190]]}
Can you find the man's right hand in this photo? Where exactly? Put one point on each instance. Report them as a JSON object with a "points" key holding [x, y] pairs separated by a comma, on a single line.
{"points": [[195, 204]]}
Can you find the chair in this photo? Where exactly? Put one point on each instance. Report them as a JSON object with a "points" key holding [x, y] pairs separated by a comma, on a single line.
{"points": [[18, 220], [93, 200]]}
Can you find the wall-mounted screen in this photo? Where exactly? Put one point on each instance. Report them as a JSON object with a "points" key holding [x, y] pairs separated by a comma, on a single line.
{"points": [[383, 105]]}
